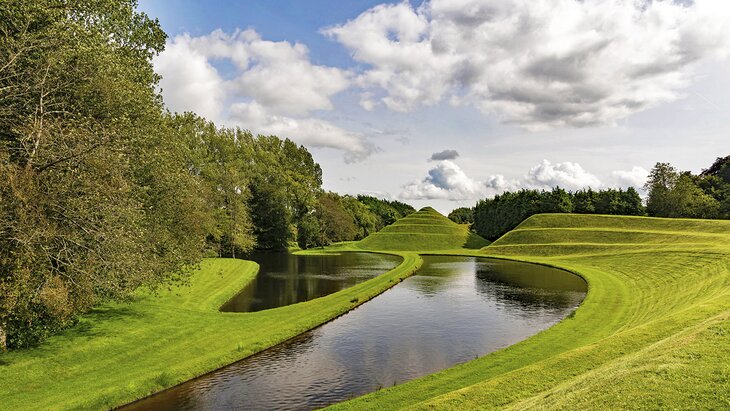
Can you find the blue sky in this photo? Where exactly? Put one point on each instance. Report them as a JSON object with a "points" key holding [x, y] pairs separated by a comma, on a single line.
{"points": [[529, 94], [276, 20]]}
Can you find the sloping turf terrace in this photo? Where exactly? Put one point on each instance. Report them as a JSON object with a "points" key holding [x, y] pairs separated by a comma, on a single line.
{"points": [[426, 229], [653, 331]]}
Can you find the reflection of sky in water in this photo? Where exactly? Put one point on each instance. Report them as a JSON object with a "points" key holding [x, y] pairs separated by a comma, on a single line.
{"points": [[455, 309]]}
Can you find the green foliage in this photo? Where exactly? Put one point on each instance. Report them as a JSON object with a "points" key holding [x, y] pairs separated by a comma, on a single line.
{"points": [[494, 217], [462, 215], [309, 232], [95, 197], [335, 218], [387, 211], [101, 190], [285, 184], [675, 194], [336, 223], [366, 222]]}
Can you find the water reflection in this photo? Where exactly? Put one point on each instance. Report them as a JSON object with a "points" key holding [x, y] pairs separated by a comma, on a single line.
{"points": [[288, 279], [454, 309]]}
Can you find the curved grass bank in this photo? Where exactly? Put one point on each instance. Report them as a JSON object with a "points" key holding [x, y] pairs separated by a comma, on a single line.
{"points": [[652, 333], [122, 352]]}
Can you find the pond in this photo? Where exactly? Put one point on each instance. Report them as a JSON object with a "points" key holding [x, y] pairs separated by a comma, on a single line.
{"points": [[453, 310]]}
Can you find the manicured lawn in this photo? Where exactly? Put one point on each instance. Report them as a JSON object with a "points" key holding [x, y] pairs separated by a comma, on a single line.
{"points": [[652, 333], [121, 352], [422, 231]]}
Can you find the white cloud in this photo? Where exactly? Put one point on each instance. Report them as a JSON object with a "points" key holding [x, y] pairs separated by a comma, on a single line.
{"points": [[189, 82], [447, 181], [498, 184], [274, 90], [636, 177], [444, 181], [567, 175], [308, 131], [538, 63]]}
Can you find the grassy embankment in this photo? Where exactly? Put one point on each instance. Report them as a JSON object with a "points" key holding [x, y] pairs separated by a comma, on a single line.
{"points": [[122, 352], [652, 333]]}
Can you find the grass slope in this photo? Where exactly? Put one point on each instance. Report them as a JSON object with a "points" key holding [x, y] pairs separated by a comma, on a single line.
{"points": [[425, 229], [652, 333], [122, 352]]}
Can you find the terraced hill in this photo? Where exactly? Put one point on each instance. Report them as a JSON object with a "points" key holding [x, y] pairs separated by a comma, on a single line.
{"points": [[652, 333], [426, 229]]}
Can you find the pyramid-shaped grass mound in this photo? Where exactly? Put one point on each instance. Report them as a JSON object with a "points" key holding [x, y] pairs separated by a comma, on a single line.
{"points": [[424, 230]]}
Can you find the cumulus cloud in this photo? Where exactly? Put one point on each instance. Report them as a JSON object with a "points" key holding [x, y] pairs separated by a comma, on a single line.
{"points": [[537, 63], [444, 181], [308, 131], [274, 90], [189, 82], [447, 181], [444, 155], [567, 175], [636, 177]]}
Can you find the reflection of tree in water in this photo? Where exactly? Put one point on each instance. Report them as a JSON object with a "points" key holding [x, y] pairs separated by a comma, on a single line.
{"points": [[286, 279], [527, 288]]}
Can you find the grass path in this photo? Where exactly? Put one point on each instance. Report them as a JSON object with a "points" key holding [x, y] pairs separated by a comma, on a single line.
{"points": [[653, 331], [122, 352]]}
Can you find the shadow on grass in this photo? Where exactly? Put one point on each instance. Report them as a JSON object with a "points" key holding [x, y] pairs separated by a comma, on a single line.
{"points": [[93, 324], [475, 242]]}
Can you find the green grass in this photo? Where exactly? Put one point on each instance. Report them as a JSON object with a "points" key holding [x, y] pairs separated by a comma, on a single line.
{"points": [[652, 333], [122, 352], [426, 229]]}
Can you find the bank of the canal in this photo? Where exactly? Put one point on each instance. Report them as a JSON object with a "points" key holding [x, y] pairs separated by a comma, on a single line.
{"points": [[452, 310], [119, 353]]}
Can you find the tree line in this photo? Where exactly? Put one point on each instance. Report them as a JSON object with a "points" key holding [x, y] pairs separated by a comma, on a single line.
{"points": [[103, 191], [669, 193], [493, 217], [672, 193]]}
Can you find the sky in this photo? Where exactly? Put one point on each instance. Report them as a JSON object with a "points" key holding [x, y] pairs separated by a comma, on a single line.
{"points": [[446, 102]]}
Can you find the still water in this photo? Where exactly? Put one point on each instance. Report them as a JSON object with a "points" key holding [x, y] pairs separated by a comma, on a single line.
{"points": [[453, 310], [285, 278]]}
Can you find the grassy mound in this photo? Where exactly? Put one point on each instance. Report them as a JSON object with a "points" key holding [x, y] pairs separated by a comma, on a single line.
{"points": [[426, 229], [652, 333]]}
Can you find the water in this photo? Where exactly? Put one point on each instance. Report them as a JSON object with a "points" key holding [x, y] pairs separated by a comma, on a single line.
{"points": [[453, 310], [285, 278]]}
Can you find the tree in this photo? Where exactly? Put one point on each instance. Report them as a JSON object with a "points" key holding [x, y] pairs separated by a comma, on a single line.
{"points": [[96, 200], [555, 201], [386, 211], [366, 222], [673, 194], [584, 201], [309, 233], [661, 181], [462, 215], [688, 200]]}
